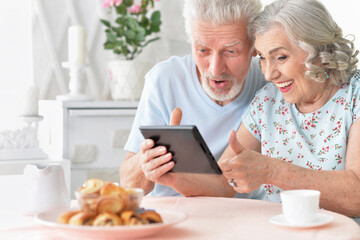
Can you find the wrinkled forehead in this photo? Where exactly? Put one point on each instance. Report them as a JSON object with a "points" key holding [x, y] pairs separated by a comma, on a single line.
{"points": [[232, 32]]}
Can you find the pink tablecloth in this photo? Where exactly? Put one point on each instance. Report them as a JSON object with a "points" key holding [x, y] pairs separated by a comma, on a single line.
{"points": [[215, 218], [225, 218]]}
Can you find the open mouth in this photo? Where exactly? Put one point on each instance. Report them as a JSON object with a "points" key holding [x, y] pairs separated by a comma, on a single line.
{"points": [[219, 83], [285, 86]]}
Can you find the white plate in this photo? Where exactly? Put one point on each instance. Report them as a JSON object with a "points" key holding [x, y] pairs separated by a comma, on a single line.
{"points": [[114, 232], [321, 219]]}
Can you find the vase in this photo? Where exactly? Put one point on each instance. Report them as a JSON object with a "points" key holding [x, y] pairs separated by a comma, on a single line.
{"points": [[127, 78]]}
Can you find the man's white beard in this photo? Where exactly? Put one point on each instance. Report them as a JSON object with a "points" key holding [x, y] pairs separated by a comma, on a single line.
{"points": [[221, 96]]}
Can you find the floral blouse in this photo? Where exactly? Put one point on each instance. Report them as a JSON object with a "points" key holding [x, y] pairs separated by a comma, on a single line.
{"points": [[313, 140]]}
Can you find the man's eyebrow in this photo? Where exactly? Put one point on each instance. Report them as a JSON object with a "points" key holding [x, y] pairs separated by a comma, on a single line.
{"points": [[226, 45], [232, 44], [200, 43]]}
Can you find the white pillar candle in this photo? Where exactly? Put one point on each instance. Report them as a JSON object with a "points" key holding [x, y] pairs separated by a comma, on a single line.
{"points": [[77, 44], [31, 107]]}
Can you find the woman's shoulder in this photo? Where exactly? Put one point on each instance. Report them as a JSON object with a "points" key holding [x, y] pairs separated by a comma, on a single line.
{"points": [[353, 85], [267, 91]]}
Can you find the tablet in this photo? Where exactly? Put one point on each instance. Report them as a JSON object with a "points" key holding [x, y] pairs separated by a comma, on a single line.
{"points": [[189, 150]]}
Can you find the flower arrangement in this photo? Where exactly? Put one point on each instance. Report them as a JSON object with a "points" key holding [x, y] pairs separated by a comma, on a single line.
{"points": [[132, 28]]}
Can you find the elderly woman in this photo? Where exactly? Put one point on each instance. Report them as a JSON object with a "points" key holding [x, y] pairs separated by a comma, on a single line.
{"points": [[304, 122]]}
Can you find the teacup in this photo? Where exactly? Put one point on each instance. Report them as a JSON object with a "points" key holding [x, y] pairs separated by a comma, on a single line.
{"points": [[300, 206]]}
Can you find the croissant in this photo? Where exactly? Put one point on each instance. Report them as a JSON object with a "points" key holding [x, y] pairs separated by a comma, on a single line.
{"points": [[82, 218], [65, 217], [132, 218], [110, 189], [151, 217], [107, 219], [92, 185], [110, 204]]}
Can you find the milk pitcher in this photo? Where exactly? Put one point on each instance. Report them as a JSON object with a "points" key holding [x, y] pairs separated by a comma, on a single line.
{"points": [[45, 188]]}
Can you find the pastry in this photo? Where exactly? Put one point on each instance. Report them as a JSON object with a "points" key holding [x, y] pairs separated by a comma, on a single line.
{"points": [[110, 189], [110, 204], [92, 185], [107, 219], [132, 218], [82, 218], [151, 217], [65, 217]]}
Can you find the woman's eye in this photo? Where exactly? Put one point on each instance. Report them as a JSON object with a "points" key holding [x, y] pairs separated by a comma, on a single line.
{"points": [[281, 58]]}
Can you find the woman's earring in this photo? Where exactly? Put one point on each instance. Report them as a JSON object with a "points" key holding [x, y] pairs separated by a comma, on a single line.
{"points": [[322, 75], [327, 75]]}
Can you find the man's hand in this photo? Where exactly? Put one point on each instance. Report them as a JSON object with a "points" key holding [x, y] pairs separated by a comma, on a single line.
{"points": [[156, 162]]}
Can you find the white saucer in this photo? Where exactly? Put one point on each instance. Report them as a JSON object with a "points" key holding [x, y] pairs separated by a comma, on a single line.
{"points": [[321, 219]]}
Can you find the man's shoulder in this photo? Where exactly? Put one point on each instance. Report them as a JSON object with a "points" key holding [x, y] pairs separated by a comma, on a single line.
{"points": [[173, 65]]}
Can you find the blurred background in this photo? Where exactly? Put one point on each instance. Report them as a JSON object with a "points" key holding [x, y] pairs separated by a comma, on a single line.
{"points": [[34, 43]]}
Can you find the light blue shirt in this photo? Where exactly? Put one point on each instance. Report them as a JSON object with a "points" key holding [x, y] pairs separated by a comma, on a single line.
{"points": [[174, 83], [316, 140]]}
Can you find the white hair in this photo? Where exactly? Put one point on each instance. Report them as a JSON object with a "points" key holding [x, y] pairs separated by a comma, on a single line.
{"points": [[220, 12], [310, 25]]}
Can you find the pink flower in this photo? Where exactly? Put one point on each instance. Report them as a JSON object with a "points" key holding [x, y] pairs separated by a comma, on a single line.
{"points": [[135, 8], [110, 3]]}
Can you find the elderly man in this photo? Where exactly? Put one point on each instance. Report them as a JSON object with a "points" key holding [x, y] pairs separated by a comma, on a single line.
{"points": [[213, 87]]}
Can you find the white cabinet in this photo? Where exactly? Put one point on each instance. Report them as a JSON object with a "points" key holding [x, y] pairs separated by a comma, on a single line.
{"points": [[91, 134]]}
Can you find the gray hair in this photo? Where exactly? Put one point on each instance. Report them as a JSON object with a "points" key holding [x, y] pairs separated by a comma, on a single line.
{"points": [[310, 25], [220, 12]]}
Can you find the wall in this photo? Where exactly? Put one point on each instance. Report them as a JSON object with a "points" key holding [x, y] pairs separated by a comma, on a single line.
{"points": [[16, 54], [15, 70]]}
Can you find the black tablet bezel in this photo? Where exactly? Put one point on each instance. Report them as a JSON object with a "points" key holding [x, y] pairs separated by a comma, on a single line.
{"points": [[190, 152]]}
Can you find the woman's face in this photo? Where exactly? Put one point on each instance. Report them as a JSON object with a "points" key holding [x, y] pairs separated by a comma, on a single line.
{"points": [[283, 63]]}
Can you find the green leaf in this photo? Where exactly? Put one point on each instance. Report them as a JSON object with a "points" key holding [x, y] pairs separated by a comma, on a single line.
{"points": [[120, 43], [155, 28], [121, 9], [141, 30], [117, 51], [106, 23], [140, 37], [121, 20], [128, 3], [125, 50], [110, 36], [130, 34], [109, 45], [132, 23], [155, 17], [144, 22], [119, 31]]}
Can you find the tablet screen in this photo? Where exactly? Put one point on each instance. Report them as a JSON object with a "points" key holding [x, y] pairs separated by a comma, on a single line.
{"points": [[189, 150]]}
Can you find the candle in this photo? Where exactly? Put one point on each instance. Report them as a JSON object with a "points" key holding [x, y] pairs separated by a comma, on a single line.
{"points": [[31, 107], [76, 44]]}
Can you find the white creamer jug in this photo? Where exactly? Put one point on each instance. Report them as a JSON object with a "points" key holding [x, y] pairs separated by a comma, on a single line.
{"points": [[45, 188]]}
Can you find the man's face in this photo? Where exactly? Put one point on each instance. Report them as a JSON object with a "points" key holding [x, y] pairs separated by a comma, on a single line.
{"points": [[222, 54]]}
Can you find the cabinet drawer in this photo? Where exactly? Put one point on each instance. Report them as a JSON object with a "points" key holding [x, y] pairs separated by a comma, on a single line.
{"points": [[96, 137]]}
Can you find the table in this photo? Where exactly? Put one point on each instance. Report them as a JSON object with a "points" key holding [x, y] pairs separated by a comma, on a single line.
{"points": [[214, 218]]}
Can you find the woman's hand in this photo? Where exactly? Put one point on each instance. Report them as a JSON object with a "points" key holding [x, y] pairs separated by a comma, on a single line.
{"points": [[247, 169]]}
